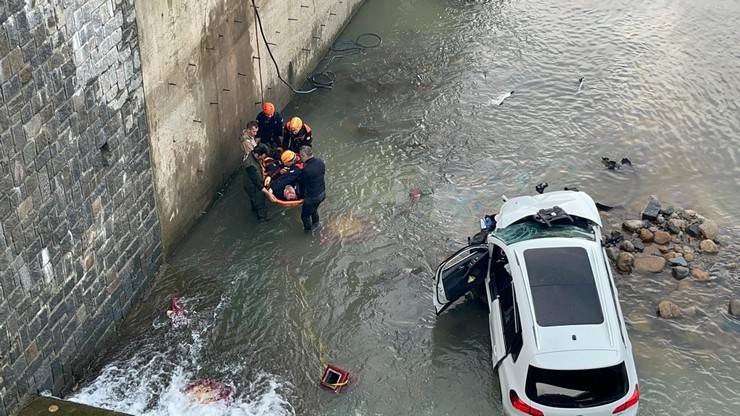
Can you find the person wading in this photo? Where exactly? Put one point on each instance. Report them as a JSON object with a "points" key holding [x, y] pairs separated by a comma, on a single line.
{"points": [[270, 126], [248, 138], [296, 134], [312, 187]]}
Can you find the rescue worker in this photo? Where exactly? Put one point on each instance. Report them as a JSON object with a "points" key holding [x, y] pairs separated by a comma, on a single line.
{"points": [[296, 134], [312, 187], [290, 175], [253, 179], [248, 139], [270, 122]]}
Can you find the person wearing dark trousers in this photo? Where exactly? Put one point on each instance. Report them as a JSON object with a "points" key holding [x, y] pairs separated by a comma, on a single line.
{"points": [[270, 124], [313, 187], [253, 188]]}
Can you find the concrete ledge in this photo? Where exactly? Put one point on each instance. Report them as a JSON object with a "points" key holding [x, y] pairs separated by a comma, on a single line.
{"points": [[49, 406]]}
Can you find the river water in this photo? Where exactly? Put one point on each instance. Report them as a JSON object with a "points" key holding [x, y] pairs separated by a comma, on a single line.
{"points": [[269, 305]]}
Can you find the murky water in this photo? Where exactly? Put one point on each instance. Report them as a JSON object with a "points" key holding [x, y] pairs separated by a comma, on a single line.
{"points": [[270, 304]]}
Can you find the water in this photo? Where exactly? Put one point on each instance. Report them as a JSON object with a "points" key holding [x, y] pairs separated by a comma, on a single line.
{"points": [[269, 304]]}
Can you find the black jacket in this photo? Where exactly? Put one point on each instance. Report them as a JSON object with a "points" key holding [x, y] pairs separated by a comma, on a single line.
{"points": [[313, 186], [270, 129]]}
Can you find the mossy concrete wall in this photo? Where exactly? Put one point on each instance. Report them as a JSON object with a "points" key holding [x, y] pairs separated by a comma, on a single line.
{"points": [[201, 65]]}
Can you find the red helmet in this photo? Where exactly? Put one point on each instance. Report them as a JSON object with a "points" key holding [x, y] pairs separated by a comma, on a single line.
{"points": [[268, 109]]}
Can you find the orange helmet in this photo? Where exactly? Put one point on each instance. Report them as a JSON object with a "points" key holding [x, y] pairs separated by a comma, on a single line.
{"points": [[287, 156], [295, 124], [268, 108]]}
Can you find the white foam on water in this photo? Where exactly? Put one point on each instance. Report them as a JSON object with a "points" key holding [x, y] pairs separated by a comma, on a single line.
{"points": [[151, 382]]}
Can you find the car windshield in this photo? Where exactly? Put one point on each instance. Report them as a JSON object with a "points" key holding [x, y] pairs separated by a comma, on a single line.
{"points": [[530, 230], [577, 388]]}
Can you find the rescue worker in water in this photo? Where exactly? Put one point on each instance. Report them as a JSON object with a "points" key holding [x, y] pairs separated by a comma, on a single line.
{"points": [[312, 187], [296, 134], [270, 126]]}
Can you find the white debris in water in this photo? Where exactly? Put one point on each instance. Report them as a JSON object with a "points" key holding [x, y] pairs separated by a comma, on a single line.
{"points": [[502, 97]]}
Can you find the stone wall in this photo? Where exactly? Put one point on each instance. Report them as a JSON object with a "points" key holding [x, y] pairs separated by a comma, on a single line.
{"points": [[79, 232], [201, 62]]}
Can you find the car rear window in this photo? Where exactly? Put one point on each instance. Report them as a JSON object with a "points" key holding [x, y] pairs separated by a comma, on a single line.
{"points": [[563, 286], [577, 388]]}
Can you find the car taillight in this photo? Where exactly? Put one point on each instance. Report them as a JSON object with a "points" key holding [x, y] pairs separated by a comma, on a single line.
{"points": [[630, 402], [523, 407]]}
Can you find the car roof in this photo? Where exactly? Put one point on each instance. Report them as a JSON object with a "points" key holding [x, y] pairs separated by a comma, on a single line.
{"points": [[569, 346], [574, 203]]}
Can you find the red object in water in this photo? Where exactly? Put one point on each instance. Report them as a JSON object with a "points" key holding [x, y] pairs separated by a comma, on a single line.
{"points": [[415, 194], [334, 378], [176, 307]]}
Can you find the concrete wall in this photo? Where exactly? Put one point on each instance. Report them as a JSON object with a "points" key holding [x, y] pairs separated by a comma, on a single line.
{"points": [[79, 232], [201, 79]]}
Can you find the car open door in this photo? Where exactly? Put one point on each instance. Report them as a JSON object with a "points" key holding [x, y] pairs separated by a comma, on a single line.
{"points": [[460, 273]]}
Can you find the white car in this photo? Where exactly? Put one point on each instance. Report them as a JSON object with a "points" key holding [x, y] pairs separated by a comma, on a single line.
{"points": [[559, 341]]}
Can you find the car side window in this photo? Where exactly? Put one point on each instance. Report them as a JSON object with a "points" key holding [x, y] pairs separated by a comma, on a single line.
{"points": [[504, 288]]}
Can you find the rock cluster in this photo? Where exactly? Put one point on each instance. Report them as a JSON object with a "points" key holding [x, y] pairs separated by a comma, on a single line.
{"points": [[665, 237]]}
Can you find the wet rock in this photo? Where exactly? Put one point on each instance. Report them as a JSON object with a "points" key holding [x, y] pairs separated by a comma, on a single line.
{"points": [[708, 246], [665, 249], [688, 253], [671, 255], [652, 264], [646, 235], [734, 307], [612, 253], [661, 237], [672, 228], [677, 223], [679, 272], [689, 214], [732, 266], [633, 225], [668, 310], [691, 311], [639, 246], [614, 238], [661, 219], [627, 246], [668, 211], [652, 250], [624, 262], [694, 230], [651, 210], [700, 275], [709, 230], [684, 284], [679, 261]]}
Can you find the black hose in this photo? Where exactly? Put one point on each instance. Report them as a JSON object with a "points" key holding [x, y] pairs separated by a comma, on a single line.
{"points": [[323, 78]]}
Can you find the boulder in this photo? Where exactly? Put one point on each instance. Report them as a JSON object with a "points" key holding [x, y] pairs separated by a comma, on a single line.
{"points": [[639, 246], [661, 237], [652, 250], [668, 310], [734, 307], [633, 225], [652, 264], [709, 230], [679, 261], [694, 230], [651, 210], [624, 262], [679, 272], [688, 253], [627, 246], [612, 253], [708, 246], [700, 275], [671, 255], [678, 223], [646, 235], [665, 249]]}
